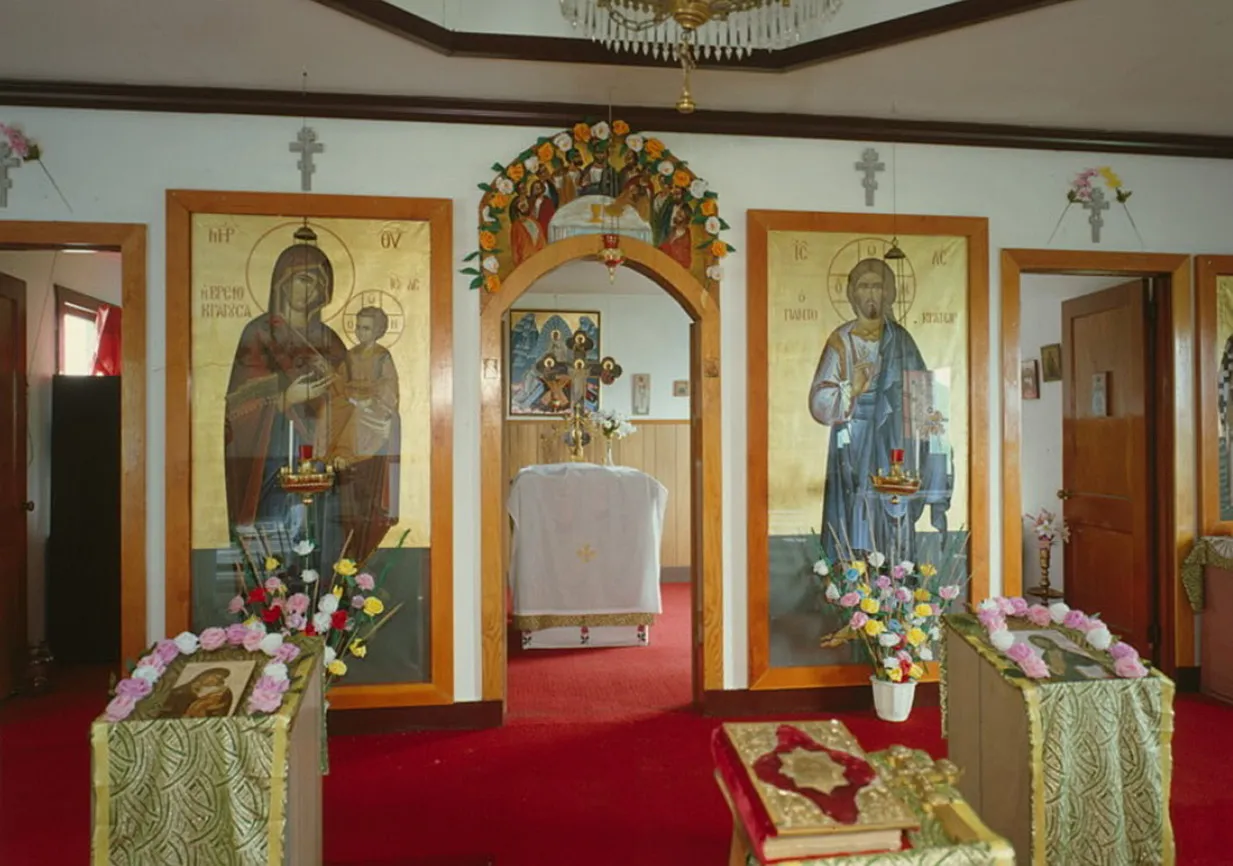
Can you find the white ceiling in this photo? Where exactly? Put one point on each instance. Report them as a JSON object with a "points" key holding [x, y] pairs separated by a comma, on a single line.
{"points": [[591, 278], [1132, 65]]}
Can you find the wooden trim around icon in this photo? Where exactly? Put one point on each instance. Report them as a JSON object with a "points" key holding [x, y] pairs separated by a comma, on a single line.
{"points": [[181, 205], [1207, 270], [707, 564], [560, 115], [130, 240], [391, 18], [1177, 519], [760, 223]]}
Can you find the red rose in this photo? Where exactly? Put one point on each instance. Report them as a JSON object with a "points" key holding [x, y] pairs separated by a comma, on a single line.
{"points": [[256, 596], [271, 614], [339, 619], [310, 631]]}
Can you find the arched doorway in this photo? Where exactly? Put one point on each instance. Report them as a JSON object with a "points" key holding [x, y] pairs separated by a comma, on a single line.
{"points": [[706, 479]]}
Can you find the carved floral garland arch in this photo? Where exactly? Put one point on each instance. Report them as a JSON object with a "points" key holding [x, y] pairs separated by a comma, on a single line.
{"points": [[652, 180]]}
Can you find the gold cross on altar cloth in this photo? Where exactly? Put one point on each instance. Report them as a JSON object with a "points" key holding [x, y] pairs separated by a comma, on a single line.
{"points": [[586, 553]]}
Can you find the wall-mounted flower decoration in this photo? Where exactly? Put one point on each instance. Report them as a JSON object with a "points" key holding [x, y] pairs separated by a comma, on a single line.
{"points": [[596, 178], [15, 143], [1088, 191]]}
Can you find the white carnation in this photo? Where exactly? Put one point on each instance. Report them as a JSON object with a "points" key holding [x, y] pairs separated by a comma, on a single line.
{"points": [[934, 633], [876, 559], [887, 638], [600, 131], [328, 603], [926, 654], [712, 225], [634, 142], [698, 188], [890, 663], [1100, 638], [505, 186], [988, 604], [270, 643], [304, 547], [187, 643], [330, 654], [1058, 611], [715, 272], [666, 168], [832, 594], [1002, 639], [491, 265], [309, 575], [276, 671], [821, 568], [321, 622], [531, 163], [149, 673], [564, 141], [907, 565]]}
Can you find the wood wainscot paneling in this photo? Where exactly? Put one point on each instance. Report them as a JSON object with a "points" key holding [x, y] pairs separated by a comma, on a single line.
{"points": [[658, 448]]}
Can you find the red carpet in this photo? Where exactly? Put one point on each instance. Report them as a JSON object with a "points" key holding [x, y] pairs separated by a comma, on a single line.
{"points": [[598, 764]]}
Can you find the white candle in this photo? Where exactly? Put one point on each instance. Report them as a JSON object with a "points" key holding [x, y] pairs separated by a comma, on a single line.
{"points": [[291, 445]]}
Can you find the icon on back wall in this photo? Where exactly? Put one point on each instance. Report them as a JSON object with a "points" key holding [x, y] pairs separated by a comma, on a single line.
{"points": [[1029, 378], [641, 393], [680, 388]]}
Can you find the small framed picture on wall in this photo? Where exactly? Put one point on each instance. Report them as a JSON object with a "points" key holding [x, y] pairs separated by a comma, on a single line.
{"points": [[641, 393], [680, 388], [1029, 378], [1051, 362]]}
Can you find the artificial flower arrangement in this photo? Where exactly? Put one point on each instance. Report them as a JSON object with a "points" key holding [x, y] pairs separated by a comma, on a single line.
{"points": [[645, 161], [266, 695], [994, 615], [1082, 191], [29, 151], [1048, 528], [291, 598], [893, 609], [612, 424]]}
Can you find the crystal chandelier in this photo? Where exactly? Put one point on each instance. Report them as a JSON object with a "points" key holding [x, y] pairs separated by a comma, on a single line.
{"points": [[685, 30]]}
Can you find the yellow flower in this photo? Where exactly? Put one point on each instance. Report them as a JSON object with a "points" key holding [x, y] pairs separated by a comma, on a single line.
{"points": [[345, 567], [337, 591], [870, 605], [654, 148], [498, 200], [915, 636], [492, 282], [620, 127], [338, 668], [373, 605], [864, 589], [928, 570], [922, 595], [1110, 177], [896, 674], [916, 672], [858, 566], [582, 132], [271, 563], [545, 152], [709, 207], [874, 627], [516, 172], [924, 610], [681, 178], [359, 649], [488, 241], [251, 621]]}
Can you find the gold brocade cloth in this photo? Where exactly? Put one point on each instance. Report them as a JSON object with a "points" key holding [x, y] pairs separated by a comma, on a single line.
{"points": [[1101, 759], [950, 833], [206, 791], [1214, 550]]}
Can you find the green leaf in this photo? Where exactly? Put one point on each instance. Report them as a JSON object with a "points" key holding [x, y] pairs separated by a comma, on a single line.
{"points": [[477, 282], [723, 225], [710, 193], [498, 168], [731, 248], [469, 257], [703, 245], [472, 271]]}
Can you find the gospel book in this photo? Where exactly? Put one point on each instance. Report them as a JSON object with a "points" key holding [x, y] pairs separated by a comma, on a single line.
{"points": [[806, 789]]}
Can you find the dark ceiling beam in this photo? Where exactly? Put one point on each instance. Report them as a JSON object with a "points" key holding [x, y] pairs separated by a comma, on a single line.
{"points": [[554, 49], [559, 115]]}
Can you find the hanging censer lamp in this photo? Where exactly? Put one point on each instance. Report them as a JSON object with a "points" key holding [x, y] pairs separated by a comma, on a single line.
{"points": [[308, 478]]}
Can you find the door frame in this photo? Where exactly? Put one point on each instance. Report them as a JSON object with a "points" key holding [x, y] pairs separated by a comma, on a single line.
{"points": [[128, 239], [706, 565], [1176, 518]]}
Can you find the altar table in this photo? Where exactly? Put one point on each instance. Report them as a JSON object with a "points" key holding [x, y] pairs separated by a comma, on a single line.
{"points": [[1073, 770], [1207, 575], [584, 558], [239, 790]]}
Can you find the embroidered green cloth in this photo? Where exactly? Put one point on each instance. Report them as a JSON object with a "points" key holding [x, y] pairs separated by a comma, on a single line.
{"points": [[171, 786], [1214, 550], [1101, 752]]}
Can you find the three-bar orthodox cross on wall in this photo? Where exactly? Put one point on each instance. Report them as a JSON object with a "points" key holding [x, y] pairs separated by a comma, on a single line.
{"points": [[568, 383], [7, 161]]}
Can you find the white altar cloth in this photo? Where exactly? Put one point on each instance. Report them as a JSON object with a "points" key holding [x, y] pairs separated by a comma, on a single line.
{"points": [[585, 548]]}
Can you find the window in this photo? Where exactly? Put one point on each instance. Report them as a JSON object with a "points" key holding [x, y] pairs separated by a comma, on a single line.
{"points": [[76, 332]]}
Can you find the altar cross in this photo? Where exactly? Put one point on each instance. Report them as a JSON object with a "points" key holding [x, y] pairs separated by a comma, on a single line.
{"points": [[870, 166], [7, 161], [1096, 204], [306, 145]]}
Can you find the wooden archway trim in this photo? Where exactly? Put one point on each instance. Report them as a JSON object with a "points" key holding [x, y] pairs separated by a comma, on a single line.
{"points": [[706, 494], [130, 240]]}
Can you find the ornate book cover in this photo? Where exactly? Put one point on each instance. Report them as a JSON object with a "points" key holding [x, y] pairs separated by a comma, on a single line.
{"points": [[812, 778]]}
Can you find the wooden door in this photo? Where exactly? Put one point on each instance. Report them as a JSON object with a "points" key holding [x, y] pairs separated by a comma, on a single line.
{"points": [[12, 480], [1106, 468], [696, 517]]}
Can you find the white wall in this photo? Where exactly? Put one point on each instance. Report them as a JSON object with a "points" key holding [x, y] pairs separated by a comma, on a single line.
{"points": [[1180, 205], [647, 333], [93, 274], [1040, 450]]}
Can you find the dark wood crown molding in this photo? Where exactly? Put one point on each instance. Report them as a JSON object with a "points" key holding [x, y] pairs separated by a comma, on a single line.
{"points": [[555, 49], [559, 115]]}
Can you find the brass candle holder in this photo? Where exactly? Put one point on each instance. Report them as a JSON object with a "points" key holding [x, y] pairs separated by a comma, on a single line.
{"points": [[1044, 591], [898, 481], [306, 480]]}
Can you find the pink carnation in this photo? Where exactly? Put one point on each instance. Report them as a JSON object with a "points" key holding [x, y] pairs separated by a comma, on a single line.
{"points": [[1122, 650], [134, 687], [119, 708], [213, 638], [1005, 607], [1039, 615], [858, 620], [1076, 619], [1019, 653], [273, 585], [253, 638], [992, 620], [365, 582], [1034, 667], [167, 651], [236, 633], [898, 572], [1018, 606], [296, 622], [883, 582], [235, 605], [264, 701], [357, 601], [153, 660], [286, 653], [850, 599], [298, 603], [903, 594], [949, 592], [1129, 667], [269, 684]]}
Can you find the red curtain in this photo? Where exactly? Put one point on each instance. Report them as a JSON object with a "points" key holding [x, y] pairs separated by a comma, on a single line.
{"points": [[107, 355]]}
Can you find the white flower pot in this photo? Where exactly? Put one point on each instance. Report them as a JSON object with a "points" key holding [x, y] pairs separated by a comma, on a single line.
{"points": [[892, 701]]}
